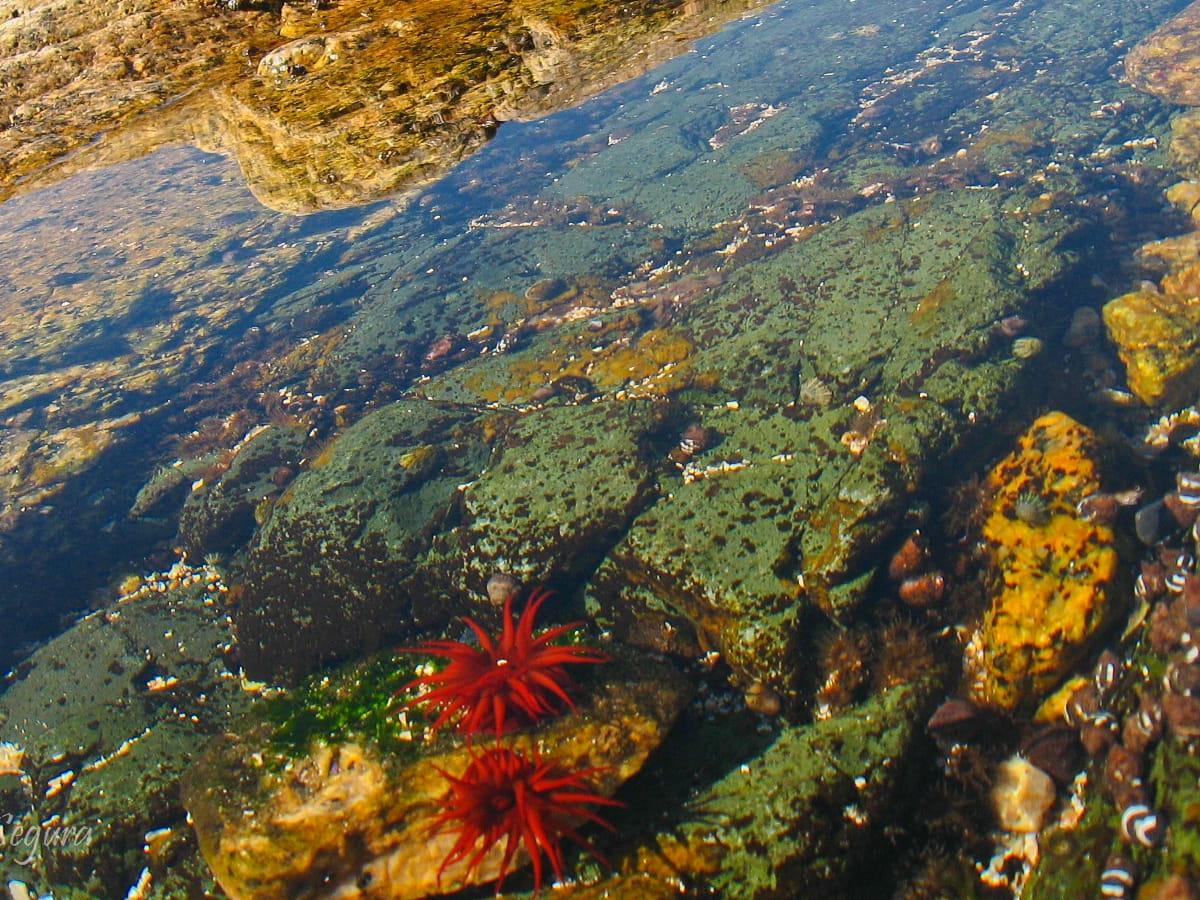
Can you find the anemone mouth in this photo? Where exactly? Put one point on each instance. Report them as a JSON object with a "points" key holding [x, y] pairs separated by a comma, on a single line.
{"points": [[529, 802], [517, 678]]}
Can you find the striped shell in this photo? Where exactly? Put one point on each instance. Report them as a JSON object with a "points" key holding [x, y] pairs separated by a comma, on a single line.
{"points": [[1141, 825]]}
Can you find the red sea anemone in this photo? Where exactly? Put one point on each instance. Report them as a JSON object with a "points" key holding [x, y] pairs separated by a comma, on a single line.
{"points": [[503, 794], [518, 679]]}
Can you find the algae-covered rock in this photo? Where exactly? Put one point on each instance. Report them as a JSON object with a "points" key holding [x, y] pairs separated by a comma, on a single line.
{"points": [[1054, 572], [805, 816], [1167, 63], [351, 809], [1157, 334], [412, 507], [332, 571], [108, 716], [782, 519], [222, 516], [564, 486]]}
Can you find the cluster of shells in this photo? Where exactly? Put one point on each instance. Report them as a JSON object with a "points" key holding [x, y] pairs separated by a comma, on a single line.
{"points": [[917, 583], [180, 575], [1167, 592]]}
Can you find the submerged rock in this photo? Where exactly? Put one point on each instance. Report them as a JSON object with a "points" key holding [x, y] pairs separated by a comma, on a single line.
{"points": [[1021, 795], [1167, 63], [1157, 334], [784, 518], [1055, 573], [562, 488], [413, 508], [1185, 196], [221, 517], [332, 573], [806, 814], [107, 717], [349, 807]]}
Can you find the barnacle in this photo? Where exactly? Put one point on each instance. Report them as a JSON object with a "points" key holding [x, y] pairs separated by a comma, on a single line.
{"points": [[1031, 508]]}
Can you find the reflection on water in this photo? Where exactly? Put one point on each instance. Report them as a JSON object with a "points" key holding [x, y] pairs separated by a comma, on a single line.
{"points": [[356, 100]]}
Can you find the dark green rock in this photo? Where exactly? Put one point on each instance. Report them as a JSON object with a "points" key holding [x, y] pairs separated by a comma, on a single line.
{"points": [[123, 700], [333, 573], [807, 815], [564, 486], [220, 517]]}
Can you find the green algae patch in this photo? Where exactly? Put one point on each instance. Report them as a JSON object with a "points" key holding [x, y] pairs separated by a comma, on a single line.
{"points": [[355, 703], [280, 805]]}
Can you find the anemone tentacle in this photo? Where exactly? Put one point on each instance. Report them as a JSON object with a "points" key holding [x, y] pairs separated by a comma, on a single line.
{"points": [[516, 680]]}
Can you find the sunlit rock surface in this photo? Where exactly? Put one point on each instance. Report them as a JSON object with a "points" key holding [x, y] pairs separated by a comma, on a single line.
{"points": [[352, 807], [322, 107], [1167, 63]]}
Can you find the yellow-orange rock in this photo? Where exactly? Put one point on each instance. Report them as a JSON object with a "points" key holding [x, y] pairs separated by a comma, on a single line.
{"points": [[341, 103], [1053, 570], [1158, 337], [1167, 63], [1185, 142], [1185, 196], [357, 818]]}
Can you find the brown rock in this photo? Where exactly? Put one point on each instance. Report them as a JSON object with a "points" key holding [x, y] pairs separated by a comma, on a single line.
{"points": [[357, 822], [1167, 63], [329, 120], [1186, 197]]}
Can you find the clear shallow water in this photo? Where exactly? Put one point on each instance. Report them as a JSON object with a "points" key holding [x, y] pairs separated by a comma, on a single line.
{"points": [[737, 203]]}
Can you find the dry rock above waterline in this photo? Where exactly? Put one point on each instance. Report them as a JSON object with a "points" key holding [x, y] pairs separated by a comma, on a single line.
{"points": [[325, 119], [354, 815]]}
